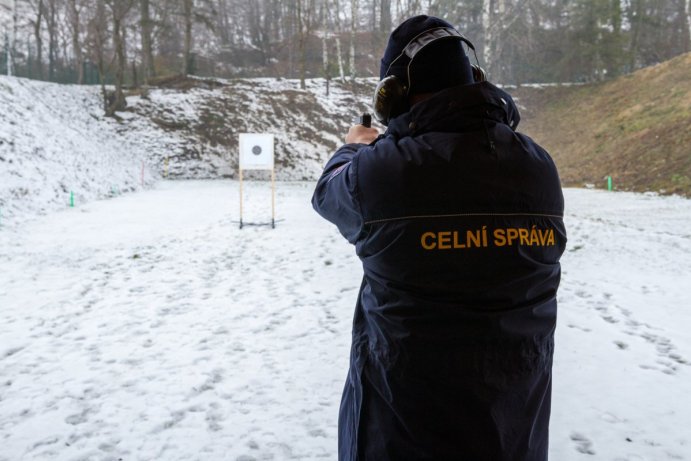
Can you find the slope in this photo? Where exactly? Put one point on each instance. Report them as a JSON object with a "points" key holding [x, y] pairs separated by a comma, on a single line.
{"points": [[207, 115], [635, 128]]}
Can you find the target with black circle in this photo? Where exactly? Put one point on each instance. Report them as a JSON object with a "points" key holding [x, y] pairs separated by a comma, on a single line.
{"points": [[256, 151]]}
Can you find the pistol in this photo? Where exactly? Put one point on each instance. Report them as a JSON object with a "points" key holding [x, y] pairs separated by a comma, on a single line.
{"points": [[364, 120]]}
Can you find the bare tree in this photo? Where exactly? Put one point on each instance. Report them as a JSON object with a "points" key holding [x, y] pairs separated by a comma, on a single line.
{"points": [[74, 9], [683, 29], [119, 10], [339, 30], [96, 38], [260, 25], [635, 17], [146, 27], [488, 39], [199, 12], [299, 15], [353, 31], [385, 19], [324, 15], [12, 45], [36, 23], [305, 15], [52, 37], [223, 22], [187, 58]]}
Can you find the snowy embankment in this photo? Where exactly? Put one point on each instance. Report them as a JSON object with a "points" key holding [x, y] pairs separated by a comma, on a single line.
{"points": [[55, 141], [150, 327], [55, 145]]}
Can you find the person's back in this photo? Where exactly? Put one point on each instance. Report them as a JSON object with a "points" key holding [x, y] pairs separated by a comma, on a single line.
{"points": [[458, 222]]}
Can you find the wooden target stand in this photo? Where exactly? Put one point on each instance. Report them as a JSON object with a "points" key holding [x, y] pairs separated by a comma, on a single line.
{"points": [[257, 153]]}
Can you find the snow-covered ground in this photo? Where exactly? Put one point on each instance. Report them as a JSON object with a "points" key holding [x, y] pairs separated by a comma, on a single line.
{"points": [[149, 326]]}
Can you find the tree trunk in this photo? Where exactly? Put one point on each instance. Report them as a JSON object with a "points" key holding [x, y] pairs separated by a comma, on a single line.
{"points": [[636, 20], [289, 32], [98, 30], [52, 39], [223, 23], [76, 45], [146, 26], [385, 19], [135, 77], [119, 9], [301, 42], [339, 54], [39, 39], [325, 48], [685, 26], [374, 23], [341, 69], [353, 30], [118, 42], [188, 65], [614, 61], [12, 45], [488, 36]]}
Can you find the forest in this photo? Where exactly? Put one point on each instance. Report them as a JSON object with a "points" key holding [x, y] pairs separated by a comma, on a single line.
{"points": [[134, 42]]}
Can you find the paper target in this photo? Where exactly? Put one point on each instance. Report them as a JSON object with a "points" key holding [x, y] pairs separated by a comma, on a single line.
{"points": [[256, 151]]}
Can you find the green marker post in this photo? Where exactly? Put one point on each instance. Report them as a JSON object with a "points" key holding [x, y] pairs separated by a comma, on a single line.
{"points": [[609, 183], [71, 199]]}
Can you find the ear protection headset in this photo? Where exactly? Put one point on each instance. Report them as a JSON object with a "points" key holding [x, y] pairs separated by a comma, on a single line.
{"points": [[391, 95]]}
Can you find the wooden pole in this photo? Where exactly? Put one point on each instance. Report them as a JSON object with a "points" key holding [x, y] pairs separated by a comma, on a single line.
{"points": [[273, 199], [240, 198]]}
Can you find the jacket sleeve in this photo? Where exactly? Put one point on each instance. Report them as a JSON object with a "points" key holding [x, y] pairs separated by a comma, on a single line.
{"points": [[336, 195]]}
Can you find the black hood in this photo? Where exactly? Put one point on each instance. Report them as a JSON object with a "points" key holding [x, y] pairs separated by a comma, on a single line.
{"points": [[457, 109]]}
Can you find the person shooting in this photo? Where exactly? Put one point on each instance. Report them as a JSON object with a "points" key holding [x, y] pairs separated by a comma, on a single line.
{"points": [[458, 221]]}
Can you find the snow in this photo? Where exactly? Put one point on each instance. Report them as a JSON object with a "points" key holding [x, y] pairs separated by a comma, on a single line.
{"points": [[623, 350], [149, 326], [152, 327]]}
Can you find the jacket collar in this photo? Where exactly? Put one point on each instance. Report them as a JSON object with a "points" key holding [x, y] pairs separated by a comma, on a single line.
{"points": [[455, 109]]}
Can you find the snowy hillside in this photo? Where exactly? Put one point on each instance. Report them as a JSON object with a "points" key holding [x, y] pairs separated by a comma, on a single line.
{"points": [[55, 141], [206, 116]]}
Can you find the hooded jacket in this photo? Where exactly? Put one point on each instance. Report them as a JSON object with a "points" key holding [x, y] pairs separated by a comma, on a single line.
{"points": [[457, 220]]}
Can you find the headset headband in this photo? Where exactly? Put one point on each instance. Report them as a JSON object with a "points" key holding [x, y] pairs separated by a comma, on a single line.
{"points": [[390, 96], [425, 38]]}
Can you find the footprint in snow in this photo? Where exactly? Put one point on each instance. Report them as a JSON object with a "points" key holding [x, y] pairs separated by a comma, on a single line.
{"points": [[621, 345], [583, 444], [578, 327]]}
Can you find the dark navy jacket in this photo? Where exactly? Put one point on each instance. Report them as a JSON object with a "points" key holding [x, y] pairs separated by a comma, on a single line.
{"points": [[457, 219]]}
